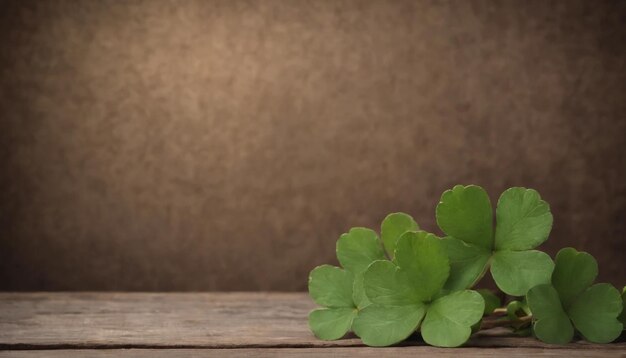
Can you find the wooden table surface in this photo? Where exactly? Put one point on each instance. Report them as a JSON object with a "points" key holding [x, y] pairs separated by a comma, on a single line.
{"points": [[214, 325]]}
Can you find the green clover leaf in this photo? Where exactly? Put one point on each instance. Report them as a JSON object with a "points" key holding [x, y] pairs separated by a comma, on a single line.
{"points": [[551, 323], [422, 256], [408, 290], [358, 248], [396, 310], [570, 302], [380, 326], [331, 287], [331, 323], [523, 221], [465, 213], [393, 226], [594, 313], [341, 291], [573, 273], [449, 319], [515, 272]]}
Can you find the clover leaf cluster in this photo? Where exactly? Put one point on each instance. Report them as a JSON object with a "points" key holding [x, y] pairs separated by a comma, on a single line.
{"points": [[408, 280]]}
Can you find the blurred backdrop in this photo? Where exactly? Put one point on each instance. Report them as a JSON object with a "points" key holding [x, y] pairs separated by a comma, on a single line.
{"points": [[225, 145]]}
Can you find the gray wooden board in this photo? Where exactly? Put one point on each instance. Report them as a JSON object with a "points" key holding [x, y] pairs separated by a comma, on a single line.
{"points": [[206, 323]]}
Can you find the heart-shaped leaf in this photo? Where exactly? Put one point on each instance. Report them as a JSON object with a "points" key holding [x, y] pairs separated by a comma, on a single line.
{"points": [[516, 272], [331, 323], [331, 286], [387, 284], [379, 325], [396, 310], [551, 323], [393, 226], [593, 311], [422, 256], [465, 213], [449, 319], [524, 220], [571, 263], [358, 248]]}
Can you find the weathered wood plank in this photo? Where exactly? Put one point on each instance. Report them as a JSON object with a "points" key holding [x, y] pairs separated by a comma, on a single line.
{"points": [[345, 352], [156, 319], [188, 320]]}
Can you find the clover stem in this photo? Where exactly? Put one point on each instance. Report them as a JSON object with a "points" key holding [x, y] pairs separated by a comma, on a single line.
{"points": [[518, 323], [500, 311]]}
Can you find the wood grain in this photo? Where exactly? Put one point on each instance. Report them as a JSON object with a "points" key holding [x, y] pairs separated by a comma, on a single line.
{"points": [[346, 352], [252, 324], [158, 320]]}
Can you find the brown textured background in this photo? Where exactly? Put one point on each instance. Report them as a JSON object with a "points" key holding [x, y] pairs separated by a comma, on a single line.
{"points": [[225, 145]]}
